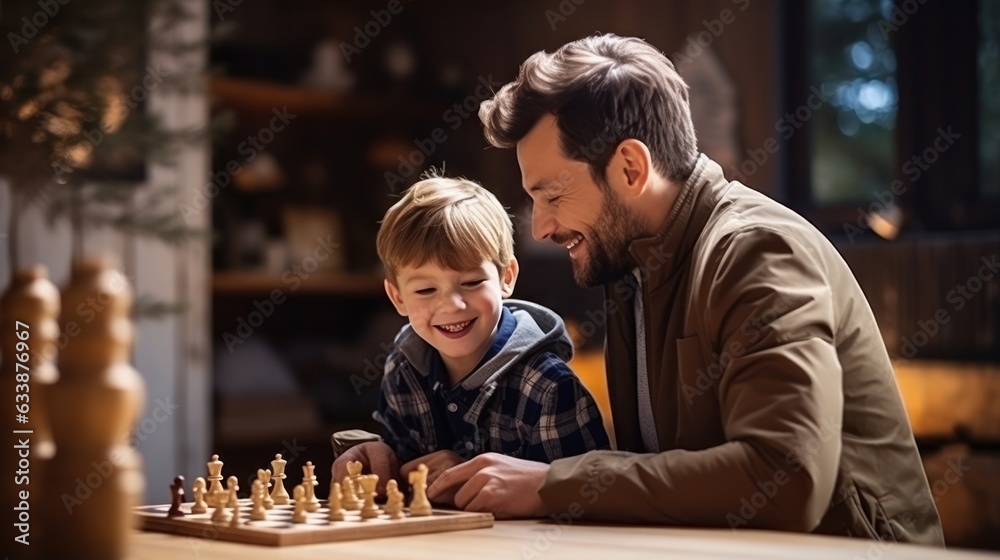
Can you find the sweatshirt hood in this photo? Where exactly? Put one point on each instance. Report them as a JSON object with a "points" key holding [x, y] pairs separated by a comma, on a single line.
{"points": [[538, 330]]}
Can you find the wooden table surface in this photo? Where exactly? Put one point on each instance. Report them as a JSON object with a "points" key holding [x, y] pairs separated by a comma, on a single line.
{"points": [[545, 539]]}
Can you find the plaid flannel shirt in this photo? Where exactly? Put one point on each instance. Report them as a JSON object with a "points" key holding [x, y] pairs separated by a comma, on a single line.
{"points": [[536, 409]]}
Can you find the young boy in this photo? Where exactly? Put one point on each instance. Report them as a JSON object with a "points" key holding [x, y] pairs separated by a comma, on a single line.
{"points": [[471, 373]]}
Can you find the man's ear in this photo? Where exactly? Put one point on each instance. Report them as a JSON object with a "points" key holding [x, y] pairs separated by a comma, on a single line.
{"points": [[629, 168], [509, 278], [397, 301]]}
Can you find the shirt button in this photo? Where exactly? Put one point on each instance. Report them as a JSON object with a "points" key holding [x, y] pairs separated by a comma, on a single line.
{"points": [[452, 407], [469, 445]]}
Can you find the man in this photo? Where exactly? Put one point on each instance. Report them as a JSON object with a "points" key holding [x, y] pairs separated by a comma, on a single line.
{"points": [[749, 383]]}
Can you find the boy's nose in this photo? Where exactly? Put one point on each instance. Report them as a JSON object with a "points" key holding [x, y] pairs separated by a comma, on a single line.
{"points": [[453, 300]]}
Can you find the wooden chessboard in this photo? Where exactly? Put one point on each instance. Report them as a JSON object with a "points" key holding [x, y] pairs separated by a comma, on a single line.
{"points": [[278, 529]]}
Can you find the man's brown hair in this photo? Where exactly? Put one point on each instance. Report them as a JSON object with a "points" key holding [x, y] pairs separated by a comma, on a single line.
{"points": [[602, 89]]}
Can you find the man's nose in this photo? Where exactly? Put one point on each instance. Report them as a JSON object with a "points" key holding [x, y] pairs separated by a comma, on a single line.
{"points": [[542, 223]]}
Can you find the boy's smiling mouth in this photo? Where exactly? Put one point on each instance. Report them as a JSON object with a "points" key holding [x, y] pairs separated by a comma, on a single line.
{"points": [[455, 330]]}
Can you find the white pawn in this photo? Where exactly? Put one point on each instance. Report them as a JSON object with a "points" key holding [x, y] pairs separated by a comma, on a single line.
{"points": [[394, 505], [264, 476], [235, 520], [200, 505], [257, 493], [219, 515], [232, 486], [299, 515], [336, 511]]}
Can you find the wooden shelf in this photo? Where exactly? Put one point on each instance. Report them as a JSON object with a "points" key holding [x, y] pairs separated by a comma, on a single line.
{"points": [[235, 283], [255, 96]]}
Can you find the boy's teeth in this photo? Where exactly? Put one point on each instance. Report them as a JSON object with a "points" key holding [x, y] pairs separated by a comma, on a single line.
{"points": [[456, 327]]}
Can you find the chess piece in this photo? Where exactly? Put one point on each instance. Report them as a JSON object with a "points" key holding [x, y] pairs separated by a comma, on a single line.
{"points": [[279, 494], [235, 520], [219, 514], [419, 505], [309, 482], [29, 313], [350, 500], [264, 476], [214, 479], [257, 493], [198, 490], [394, 505], [354, 471], [336, 510], [299, 514], [92, 409], [176, 497], [232, 487], [368, 483]]}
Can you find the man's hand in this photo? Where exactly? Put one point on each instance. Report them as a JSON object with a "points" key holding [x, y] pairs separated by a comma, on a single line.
{"points": [[436, 462], [502, 485], [375, 457]]}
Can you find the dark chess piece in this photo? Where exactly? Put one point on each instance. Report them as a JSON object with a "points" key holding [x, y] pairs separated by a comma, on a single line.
{"points": [[177, 497]]}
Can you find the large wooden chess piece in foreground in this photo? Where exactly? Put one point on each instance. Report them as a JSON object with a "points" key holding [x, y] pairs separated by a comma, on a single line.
{"points": [[29, 329], [94, 479]]}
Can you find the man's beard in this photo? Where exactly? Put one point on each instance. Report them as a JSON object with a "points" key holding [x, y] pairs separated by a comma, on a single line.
{"points": [[608, 241]]}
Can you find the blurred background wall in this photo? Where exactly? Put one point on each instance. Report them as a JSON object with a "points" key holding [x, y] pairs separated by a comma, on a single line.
{"points": [[878, 120]]}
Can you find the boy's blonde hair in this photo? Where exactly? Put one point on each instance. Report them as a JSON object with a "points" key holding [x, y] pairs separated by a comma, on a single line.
{"points": [[454, 223]]}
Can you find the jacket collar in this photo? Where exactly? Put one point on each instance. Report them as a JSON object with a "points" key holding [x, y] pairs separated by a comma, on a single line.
{"points": [[658, 255]]}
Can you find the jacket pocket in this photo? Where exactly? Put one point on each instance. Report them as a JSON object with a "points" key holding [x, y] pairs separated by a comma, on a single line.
{"points": [[868, 516]]}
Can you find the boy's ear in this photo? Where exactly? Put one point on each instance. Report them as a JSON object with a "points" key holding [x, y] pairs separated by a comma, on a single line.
{"points": [[509, 278], [393, 292]]}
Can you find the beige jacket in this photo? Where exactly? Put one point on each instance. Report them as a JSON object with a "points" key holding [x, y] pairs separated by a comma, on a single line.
{"points": [[773, 396]]}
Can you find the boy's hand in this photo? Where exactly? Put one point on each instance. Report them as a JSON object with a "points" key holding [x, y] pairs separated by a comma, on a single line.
{"points": [[375, 457], [504, 486], [437, 463]]}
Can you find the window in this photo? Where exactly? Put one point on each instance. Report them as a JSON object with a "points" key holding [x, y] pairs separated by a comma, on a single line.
{"points": [[853, 138], [910, 118]]}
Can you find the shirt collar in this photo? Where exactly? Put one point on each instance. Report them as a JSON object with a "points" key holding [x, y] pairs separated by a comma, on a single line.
{"points": [[439, 374]]}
